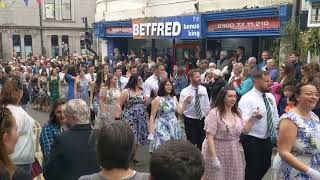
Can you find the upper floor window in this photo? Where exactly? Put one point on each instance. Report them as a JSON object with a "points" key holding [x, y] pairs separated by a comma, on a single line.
{"points": [[315, 13], [66, 9], [28, 45], [49, 9], [16, 44]]}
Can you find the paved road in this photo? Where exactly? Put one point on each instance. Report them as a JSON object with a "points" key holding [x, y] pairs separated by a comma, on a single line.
{"points": [[142, 154]]}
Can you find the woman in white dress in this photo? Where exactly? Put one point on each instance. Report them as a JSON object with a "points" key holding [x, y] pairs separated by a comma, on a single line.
{"points": [[108, 101]]}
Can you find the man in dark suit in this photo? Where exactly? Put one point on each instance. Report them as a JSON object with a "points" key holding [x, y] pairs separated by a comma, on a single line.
{"points": [[73, 152]]}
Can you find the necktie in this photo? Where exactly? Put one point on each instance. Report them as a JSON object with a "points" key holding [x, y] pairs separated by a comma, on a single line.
{"points": [[271, 129], [92, 77], [198, 105], [119, 83], [159, 82]]}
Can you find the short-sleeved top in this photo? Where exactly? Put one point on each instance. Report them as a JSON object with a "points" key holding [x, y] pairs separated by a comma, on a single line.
{"points": [[98, 176]]}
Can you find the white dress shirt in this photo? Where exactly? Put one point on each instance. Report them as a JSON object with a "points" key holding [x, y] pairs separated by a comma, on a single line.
{"points": [[249, 102], [123, 82], [190, 110], [25, 148], [151, 84], [88, 77]]}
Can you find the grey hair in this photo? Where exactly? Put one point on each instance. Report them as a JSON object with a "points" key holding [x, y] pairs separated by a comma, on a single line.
{"points": [[78, 109], [252, 59], [225, 53]]}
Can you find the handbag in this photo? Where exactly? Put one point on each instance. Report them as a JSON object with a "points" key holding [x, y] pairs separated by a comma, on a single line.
{"points": [[36, 168]]}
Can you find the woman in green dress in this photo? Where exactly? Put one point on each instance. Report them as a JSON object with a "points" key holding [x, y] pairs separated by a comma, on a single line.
{"points": [[53, 86]]}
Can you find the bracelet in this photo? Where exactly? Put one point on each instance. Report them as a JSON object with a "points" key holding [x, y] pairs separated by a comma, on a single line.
{"points": [[116, 119]]}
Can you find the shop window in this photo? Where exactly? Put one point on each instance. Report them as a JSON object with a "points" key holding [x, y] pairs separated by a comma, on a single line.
{"points": [[54, 46], [66, 9], [17, 44], [50, 9], [28, 45]]}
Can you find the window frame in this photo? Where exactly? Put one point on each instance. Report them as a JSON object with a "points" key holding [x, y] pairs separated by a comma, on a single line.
{"points": [[25, 44], [54, 9], [13, 44], [62, 10], [312, 23]]}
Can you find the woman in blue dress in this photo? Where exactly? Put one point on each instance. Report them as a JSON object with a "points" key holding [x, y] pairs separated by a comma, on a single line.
{"points": [[70, 77], [298, 155], [164, 125], [134, 112], [81, 88]]}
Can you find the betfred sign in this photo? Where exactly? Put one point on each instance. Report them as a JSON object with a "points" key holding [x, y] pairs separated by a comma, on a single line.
{"points": [[181, 27], [255, 24]]}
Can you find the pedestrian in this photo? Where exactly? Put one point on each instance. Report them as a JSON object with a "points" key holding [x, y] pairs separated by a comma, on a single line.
{"points": [[53, 86], [51, 128], [72, 154], [287, 74], [259, 109], [163, 124], [70, 78], [151, 85], [294, 60], [195, 111], [8, 140], [42, 98], [108, 101], [133, 101], [81, 88], [246, 82], [116, 161], [220, 149], [299, 138], [23, 155], [180, 81], [176, 160]]}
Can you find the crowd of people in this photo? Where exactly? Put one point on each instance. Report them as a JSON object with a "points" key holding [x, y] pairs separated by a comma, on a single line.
{"points": [[100, 114]]}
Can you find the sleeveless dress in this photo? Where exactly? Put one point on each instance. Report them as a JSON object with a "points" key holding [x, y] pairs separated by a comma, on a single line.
{"points": [[70, 83], [111, 98], [167, 125], [226, 141], [43, 95], [135, 115], [83, 90], [54, 89], [306, 148]]}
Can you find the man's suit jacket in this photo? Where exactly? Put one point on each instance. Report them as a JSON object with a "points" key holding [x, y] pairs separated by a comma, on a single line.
{"points": [[72, 155]]}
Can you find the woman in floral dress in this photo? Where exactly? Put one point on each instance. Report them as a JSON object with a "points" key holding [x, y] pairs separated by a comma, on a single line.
{"points": [[53, 86], [134, 113], [81, 88], [99, 83], [42, 98], [298, 155], [220, 149], [108, 101], [164, 125], [34, 90]]}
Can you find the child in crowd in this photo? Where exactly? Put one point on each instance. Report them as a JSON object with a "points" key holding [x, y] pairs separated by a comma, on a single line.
{"points": [[288, 92], [291, 101]]}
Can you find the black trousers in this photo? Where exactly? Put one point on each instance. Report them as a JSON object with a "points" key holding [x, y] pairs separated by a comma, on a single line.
{"points": [[258, 154], [194, 130]]}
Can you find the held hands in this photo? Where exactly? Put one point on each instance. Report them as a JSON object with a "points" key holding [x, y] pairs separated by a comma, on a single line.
{"points": [[313, 174], [215, 163]]}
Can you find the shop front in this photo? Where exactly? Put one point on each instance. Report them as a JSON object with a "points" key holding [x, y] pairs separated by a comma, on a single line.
{"points": [[254, 29]]}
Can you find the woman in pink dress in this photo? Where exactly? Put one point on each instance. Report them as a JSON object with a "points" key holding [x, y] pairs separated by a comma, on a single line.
{"points": [[220, 149]]}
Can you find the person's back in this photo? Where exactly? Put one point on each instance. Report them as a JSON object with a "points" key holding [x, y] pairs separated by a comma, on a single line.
{"points": [[98, 176], [72, 154]]}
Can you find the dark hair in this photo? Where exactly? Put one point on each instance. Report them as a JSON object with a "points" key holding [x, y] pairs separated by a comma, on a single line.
{"points": [[71, 71], [289, 88], [258, 74], [294, 53], [52, 117], [43, 70], [241, 48], [118, 67], [133, 81], [192, 71], [158, 65], [11, 91], [7, 69], [177, 160], [116, 146], [219, 102], [6, 125], [162, 88], [100, 79], [108, 81], [289, 71]]}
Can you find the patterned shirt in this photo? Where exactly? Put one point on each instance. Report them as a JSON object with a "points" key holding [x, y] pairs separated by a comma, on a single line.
{"points": [[47, 136]]}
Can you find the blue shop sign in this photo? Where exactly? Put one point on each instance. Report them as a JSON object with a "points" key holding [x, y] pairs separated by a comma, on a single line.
{"points": [[179, 27]]}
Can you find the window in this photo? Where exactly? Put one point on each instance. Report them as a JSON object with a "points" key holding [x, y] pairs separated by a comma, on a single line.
{"points": [[17, 44], [83, 49], [28, 45], [66, 9], [50, 9], [54, 46], [65, 45], [315, 13]]}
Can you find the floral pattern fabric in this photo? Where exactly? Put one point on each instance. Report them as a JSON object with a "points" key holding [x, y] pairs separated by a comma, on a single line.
{"points": [[135, 115], [167, 125], [306, 148], [83, 90], [54, 89]]}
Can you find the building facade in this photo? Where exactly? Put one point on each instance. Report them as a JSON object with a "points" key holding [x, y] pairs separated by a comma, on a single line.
{"points": [[41, 29]]}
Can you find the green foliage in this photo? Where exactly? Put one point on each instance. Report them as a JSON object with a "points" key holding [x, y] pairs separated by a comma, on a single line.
{"points": [[313, 41]]}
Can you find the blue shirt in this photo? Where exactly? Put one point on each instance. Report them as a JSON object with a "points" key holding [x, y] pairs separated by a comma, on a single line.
{"points": [[47, 136], [245, 86]]}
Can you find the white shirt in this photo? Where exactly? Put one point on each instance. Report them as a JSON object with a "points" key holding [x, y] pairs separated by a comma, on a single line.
{"points": [[123, 82], [249, 102], [88, 77], [25, 148], [190, 108], [151, 84]]}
